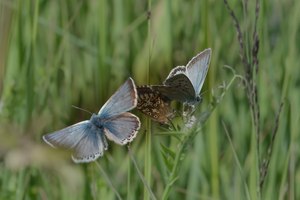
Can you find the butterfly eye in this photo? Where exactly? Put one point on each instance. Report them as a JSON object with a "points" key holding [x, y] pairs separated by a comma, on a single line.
{"points": [[198, 99]]}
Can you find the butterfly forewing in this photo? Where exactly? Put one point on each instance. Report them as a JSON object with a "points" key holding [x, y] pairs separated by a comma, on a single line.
{"points": [[154, 104], [123, 100], [67, 137], [197, 69]]}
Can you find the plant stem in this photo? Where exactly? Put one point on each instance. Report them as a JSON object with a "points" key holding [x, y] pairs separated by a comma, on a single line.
{"points": [[147, 187], [147, 168], [106, 177]]}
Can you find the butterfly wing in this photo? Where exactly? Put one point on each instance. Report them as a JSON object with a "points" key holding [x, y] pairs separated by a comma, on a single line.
{"points": [[177, 87], [197, 69], [122, 128], [175, 71], [67, 137], [154, 104], [91, 146], [84, 138], [124, 99]]}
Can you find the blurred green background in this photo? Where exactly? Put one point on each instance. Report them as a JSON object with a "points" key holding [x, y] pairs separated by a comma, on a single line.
{"points": [[55, 54]]}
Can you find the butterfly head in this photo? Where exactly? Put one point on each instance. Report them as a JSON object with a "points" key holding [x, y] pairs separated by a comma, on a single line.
{"points": [[195, 101], [198, 99]]}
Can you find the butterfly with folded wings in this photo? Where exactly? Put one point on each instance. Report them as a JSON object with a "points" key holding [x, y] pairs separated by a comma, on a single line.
{"points": [[184, 83]]}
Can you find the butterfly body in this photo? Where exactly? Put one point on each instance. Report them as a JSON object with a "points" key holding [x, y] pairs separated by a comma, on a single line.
{"points": [[88, 138], [97, 121]]}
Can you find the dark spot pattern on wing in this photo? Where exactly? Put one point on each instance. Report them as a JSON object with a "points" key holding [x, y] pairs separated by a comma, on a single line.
{"points": [[154, 104]]}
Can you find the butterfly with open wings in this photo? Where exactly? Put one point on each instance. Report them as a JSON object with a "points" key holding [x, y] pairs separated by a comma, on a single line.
{"points": [[87, 139]]}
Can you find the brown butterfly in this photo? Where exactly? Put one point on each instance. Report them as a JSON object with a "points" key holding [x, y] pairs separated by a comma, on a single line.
{"points": [[154, 104]]}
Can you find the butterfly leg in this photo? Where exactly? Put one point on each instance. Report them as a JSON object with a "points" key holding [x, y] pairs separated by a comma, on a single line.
{"points": [[188, 115]]}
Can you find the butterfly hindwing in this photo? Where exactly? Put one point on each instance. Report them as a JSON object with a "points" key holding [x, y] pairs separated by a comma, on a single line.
{"points": [[84, 138], [91, 146], [123, 100], [154, 104], [175, 71], [122, 128], [183, 85], [177, 87]]}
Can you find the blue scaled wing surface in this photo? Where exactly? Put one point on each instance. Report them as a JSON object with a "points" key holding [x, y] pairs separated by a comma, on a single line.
{"points": [[87, 141]]}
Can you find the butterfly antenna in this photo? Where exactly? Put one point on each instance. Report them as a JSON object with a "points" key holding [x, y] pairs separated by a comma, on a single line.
{"points": [[202, 93], [82, 109]]}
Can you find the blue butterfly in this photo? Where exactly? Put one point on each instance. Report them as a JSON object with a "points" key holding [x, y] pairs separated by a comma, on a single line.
{"points": [[87, 138], [184, 83]]}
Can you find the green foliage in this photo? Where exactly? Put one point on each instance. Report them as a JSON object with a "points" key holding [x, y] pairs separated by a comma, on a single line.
{"points": [[55, 54]]}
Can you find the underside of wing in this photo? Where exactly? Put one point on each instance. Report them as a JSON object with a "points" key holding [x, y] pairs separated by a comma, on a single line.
{"points": [[154, 104], [175, 71], [123, 100], [122, 128], [177, 87], [197, 69]]}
